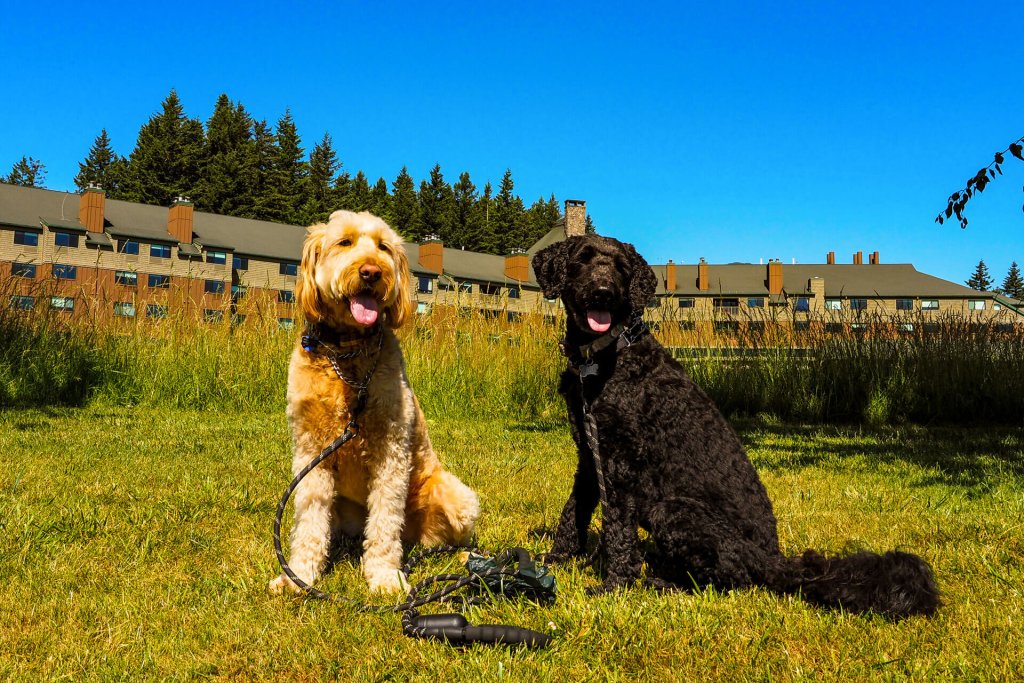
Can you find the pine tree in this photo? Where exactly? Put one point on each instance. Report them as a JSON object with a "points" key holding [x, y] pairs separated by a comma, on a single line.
{"points": [[102, 166], [465, 217], [980, 280], [540, 219], [358, 198], [588, 227], [266, 204], [323, 191], [290, 173], [380, 202], [405, 208], [437, 206], [508, 219], [1013, 284], [228, 183], [27, 172], [483, 222], [168, 157]]}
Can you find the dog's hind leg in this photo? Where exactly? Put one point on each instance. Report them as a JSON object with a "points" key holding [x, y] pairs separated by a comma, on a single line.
{"points": [[441, 509]]}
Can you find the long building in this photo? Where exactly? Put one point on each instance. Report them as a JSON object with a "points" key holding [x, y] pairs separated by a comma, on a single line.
{"points": [[84, 254]]}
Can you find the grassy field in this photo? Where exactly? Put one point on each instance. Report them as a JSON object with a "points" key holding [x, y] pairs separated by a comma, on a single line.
{"points": [[136, 546]]}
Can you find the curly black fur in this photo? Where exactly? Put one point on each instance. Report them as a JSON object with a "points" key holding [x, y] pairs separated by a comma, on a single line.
{"points": [[674, 467]]}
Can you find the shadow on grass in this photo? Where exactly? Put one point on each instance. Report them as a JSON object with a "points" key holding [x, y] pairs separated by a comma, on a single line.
{"points": [[974, 458]]}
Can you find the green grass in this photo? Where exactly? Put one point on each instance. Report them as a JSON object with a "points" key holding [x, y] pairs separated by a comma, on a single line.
{"points": [[136, 546]]}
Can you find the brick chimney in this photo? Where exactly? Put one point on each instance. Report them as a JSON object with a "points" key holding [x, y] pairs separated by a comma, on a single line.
{"points": [[517, 266], [858, 258], [431, 254], [703, 281], [774, 276], [179, 220], [830, 259], [873, 258], [670, 276], [90, 207], [575, 217]]}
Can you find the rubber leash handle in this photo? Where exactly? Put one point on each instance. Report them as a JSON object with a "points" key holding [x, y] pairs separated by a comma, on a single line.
{"points": [[455, 630]]}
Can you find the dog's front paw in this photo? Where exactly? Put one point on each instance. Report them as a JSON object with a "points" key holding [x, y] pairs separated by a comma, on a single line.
{"points": [[282, 584], [386, 581]]}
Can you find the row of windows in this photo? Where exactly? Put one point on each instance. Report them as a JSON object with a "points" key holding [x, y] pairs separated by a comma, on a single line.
{"points": [[425, 285], [127, 309], [802, 304]]}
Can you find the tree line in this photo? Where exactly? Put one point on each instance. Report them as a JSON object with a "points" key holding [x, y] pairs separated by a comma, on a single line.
{"points": [[236, 165], [1013, 283]]}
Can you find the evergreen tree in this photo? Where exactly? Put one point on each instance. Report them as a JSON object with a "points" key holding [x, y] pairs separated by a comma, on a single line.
{"points": [[483, 235], [168, 157], [437, 206], [102, 166], [27, 172], [358, 198], [465, 216], [266, 203], [323, 191], [1013, 285], [228, 183], [290, 173], [588, 227], [540, 219], [980, 279], [508, 219], [380, 202], [405, 208]]}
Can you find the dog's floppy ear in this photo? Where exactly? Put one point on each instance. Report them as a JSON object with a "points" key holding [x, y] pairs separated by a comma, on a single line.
{"points": [[402, 306], [307, 295], [643, 283], [550, 266]]}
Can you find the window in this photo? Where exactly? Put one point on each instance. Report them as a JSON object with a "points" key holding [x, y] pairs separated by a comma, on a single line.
{"points": [[422, 307], [240, 262], [834, 328], [64, 272], [445, 284], [285, 323], [905, 327], [289, 268], [686, 303], [130, 247], [216, 257], [159, 281], [157, 311], [802, 304], [653, 302], [26, 238], [513, 292], [726, 326], [214, 286], [159, 251], [23, 303], [929, 304], [128, 278], [801, 325], [490, 289], [976, 305], [858, 327], [426, 284], [858, 304], [237, 319], [213, 315], [124, 309], [755, 326], [904, 304], [23, 270], [723, 305], [755, 302], [466, 287], [997, 306], [65, 239], [62, 303], [238, 292], [686, 325], [285, 296], [833, 304]]}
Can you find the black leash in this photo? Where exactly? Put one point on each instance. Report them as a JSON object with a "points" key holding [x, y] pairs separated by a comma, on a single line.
{"points": [[512, 572]]}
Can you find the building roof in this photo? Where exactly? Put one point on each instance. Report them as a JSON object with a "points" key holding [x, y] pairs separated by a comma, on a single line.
{"points": [[841, 280]]}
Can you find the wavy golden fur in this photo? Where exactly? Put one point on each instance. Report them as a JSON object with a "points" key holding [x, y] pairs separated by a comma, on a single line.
{"points": [[387, 483]]}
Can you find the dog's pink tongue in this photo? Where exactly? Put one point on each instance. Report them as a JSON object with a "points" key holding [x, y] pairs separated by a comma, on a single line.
{"points": [[599, 321], [364, 309]]}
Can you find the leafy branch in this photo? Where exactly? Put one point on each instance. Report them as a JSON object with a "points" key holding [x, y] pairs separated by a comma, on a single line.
{"points": [[958, 200]]}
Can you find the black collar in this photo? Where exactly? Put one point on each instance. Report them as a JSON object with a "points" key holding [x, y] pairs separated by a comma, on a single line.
{"points": [[619, 337], [318, 337]]}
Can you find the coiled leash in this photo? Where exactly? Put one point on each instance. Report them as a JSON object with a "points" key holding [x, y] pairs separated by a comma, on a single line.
{"points": [[510, 573]]}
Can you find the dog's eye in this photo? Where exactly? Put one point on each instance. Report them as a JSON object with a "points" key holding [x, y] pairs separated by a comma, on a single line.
{"points": [[586, 254], [345, 243], [384, 247]]}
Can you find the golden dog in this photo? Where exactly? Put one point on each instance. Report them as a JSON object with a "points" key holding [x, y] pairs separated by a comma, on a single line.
{"points": [[386, 483]]}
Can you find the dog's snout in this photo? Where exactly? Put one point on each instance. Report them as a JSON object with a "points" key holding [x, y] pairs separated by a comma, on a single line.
{"points": [[602, 295], [369, 273]]}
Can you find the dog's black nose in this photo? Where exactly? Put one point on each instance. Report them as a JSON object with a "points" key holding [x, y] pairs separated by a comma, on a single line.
{"points": [[369, 272], [602, 296]]}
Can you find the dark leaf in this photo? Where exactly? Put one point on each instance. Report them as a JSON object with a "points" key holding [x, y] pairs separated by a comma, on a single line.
{"points": [[939, 219], [992, 173], [1017, 151], [999, 169], [999, 157], [949, 211]]}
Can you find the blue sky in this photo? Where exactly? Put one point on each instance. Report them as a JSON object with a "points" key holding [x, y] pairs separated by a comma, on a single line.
{"points": [[732, 131]]}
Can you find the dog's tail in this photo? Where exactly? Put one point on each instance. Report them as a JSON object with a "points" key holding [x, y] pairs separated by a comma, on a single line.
{"points": [[895, 584]]}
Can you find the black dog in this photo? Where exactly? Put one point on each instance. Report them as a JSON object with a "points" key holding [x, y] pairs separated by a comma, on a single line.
{"points": [[670, 464]]}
